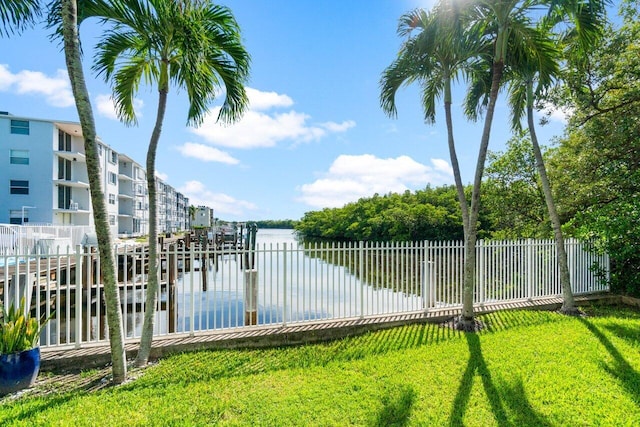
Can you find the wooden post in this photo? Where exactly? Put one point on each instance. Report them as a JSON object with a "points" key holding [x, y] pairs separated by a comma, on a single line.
{"points": [[250, 297], [171, 268], [86, 270], [203, 265], [172, 308]]}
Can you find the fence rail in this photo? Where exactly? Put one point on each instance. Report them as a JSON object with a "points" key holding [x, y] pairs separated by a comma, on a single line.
{"points": [[20, 239], [280, 284]]}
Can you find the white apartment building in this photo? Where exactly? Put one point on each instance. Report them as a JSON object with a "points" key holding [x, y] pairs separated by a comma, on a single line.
{"points": [[43, 179]]}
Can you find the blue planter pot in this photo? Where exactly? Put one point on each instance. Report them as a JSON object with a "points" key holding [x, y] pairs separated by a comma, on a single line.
{"points": [[18, 370]]}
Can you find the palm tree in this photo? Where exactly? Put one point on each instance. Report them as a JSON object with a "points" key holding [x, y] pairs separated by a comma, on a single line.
{"points": [[509, 25], [15, 16], [434, 57], [539, 69], [85, 113], [191, 44]]}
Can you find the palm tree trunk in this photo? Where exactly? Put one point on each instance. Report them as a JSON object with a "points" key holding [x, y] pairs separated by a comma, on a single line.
{"points": [[85, 113], [454, 159], [467, 321], [568, 305], [152, 283]]}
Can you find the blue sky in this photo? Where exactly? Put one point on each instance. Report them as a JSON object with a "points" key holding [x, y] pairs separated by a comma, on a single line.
{"points": [[315, 135]]}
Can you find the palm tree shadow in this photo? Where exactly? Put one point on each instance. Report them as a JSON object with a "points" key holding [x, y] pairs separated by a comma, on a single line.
{"points": [[396, 407], [621, 369], [514, 397]]}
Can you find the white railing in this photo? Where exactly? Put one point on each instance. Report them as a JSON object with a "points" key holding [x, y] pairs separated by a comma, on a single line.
{"points": [[22, 239], [289, 283]]}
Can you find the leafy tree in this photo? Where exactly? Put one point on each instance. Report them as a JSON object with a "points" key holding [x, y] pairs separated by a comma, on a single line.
{"points": [[429, 214], [597, 166], [193, 45], [513, 194]]}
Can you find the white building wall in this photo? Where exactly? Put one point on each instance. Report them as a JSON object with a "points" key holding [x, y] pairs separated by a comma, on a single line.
{"points": [[58, 183], [37, 203]]}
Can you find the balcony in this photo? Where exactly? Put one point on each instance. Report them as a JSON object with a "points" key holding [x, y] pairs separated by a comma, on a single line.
{"points": [[74, 156], [73, 208], [71, 183]]}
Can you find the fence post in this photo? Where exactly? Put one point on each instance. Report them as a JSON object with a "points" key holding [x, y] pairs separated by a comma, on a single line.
{"points": [[284, 286], [529, 269], [250, 296], [362, 275], [193, 294], [79, 294], [481, 271], [426, 284]]}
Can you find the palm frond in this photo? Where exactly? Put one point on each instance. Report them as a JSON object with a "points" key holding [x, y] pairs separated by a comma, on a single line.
{"points": [[17, 15]]}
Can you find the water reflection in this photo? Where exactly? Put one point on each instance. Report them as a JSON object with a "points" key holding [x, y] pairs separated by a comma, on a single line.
{"points": [[292, 287]]}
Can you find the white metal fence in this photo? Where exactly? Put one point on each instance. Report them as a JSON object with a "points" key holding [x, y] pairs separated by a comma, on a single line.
{"points": [[285, 283], [20, 239]]}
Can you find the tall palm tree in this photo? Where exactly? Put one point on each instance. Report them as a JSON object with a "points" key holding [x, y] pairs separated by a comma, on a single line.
{"points": [[510, 24], [441, 50], [539, 69], [192, 44], [85, 113], [15, 16]]}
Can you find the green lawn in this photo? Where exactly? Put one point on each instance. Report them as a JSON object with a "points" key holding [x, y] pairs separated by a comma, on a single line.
{"points": [[528, 368]]}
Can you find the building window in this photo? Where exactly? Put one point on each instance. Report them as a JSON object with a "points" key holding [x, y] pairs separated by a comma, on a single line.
{"points": [[114, 157], [112, 178], [64, 197], [64, 169], [20, 127], [99, 150], [15, 217], [112, 199], [19, 157], [112, 220], [64, 141], [19, 187]]}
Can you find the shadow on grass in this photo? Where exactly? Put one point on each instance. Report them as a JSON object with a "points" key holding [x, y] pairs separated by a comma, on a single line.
{"points": [[514, 397], [396, 407], [49, 392], [627, 333], [217, 364], [621, 369]]}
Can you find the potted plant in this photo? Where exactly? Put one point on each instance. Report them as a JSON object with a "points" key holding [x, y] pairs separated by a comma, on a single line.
{"points": [[19, 350]]}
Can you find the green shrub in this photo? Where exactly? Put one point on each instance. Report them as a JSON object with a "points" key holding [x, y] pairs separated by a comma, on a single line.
{"points": [[18, 331]]}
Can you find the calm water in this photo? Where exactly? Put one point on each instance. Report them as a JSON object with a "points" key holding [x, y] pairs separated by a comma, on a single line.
{"points": [[284, 292]]}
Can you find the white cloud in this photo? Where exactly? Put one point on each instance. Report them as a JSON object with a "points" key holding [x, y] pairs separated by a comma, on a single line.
{"points": [[206, 153], [106, 108], [261, 128], [352, 177], [163, 176], [222, 204], [56, 90], [259, 100], [338, 127]]}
